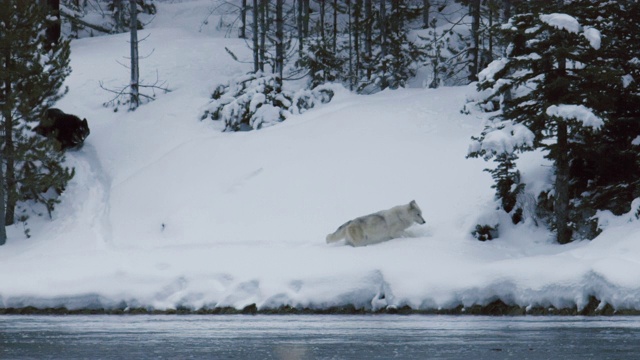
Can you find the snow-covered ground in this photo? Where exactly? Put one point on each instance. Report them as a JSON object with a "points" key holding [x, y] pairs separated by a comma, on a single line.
{"points": [[166, 211]]}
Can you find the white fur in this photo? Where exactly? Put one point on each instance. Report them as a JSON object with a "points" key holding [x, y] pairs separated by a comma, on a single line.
{"points": [[381, 226]]}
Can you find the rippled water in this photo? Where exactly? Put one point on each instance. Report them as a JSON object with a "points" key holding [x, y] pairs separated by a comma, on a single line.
{"points": [[317, 337]]}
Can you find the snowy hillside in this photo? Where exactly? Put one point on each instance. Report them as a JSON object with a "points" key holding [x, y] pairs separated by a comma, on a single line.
{"points": [[165, 211]]}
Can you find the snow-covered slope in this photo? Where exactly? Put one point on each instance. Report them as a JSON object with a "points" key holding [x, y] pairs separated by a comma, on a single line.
{"points": [[166, 211]]}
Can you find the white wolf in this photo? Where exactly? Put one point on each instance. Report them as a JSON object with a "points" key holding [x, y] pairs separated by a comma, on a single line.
{"points": [[381, 226]]}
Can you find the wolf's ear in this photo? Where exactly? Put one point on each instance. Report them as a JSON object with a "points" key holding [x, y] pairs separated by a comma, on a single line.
{"points": [[413, 204]]}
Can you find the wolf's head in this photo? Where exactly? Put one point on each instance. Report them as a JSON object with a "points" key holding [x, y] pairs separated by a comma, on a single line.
{"points": [[415, 212], [81, 132]]}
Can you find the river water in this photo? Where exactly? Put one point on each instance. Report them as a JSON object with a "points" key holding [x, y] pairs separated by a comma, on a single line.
{"points": [[317, 337]]}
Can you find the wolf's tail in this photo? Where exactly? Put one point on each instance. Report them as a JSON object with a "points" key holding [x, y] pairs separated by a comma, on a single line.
{"points": [[339, 234]]}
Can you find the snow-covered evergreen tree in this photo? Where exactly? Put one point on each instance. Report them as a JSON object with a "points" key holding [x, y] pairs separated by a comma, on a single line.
{"points": [[323, 65], [607, 170], [32, 71], [256, 100], [551, 78], [394, 57]]}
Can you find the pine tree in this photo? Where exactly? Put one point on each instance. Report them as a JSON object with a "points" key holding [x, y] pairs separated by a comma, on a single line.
{"points": [[32, 71], [608, 168], [394, 59], [122, 14], [321, 62], [553, 76]]}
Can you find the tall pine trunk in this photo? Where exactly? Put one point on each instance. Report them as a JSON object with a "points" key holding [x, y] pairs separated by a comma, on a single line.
{"points": [[561, 205], [321, 28], [10, 175], [54, 27], [506, 11], [305, 18], [135, 72], [426, 4], [8, 155], [474, 49], [368, 35], [3, 230], [256, 44], [299, 25], [356, 38], [505, 16], [335, 26], [383, 28], [118, 6], [264, 9], [243, 20], [350, 31], [279, 63]]}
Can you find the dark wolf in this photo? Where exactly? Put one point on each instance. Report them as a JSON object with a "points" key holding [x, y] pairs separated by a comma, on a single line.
{"points": [[66, 129]]}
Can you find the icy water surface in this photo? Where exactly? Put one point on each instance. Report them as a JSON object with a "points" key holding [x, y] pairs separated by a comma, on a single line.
{"points": [[317, 337]]}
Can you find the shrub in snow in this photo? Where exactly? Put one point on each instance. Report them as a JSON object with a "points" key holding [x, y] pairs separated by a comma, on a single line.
{"points": [[500, 140], [486, 232], [305, 99], [256, 100]]}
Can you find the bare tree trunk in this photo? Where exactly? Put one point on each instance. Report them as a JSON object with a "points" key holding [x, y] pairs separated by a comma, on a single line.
{"points": [[263, 31], [368, 36], [256, 45], [350, 29], [279, 63], [368, 14], [305, 18], [356, 37], [3, 181], [490, 34], [299, 25], [425, 14], [321, 28], [135, 73], [383, 28], [335, 26], [6, 114], [474, 49], [243, 20]]}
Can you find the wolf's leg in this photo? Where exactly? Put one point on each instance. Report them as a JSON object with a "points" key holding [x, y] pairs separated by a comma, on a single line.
{"points": [[355, 235]]}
